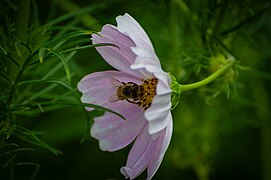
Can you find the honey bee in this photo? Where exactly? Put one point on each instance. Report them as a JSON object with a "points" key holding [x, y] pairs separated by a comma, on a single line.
{"points": [[129, 91], [140, 95]]}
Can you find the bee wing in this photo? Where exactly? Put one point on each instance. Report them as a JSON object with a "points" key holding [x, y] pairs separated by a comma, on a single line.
{"points": [[116, 84], [113, 98]]}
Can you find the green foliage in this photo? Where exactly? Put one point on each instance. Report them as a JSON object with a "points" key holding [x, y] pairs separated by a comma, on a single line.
{"points": [[32, 77], [221, 130]]}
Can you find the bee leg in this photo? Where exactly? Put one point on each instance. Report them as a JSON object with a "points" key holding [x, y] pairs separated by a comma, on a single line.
{"points": [[130, 101], [136, 101]]}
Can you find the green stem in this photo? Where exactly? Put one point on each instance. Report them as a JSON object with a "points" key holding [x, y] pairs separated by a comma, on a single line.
{"points": [[20, 33], [15, 85], [22, 17], [207, 80]]}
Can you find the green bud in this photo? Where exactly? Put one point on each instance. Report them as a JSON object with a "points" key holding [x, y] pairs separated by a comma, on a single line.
{"points": [[176, 92]]}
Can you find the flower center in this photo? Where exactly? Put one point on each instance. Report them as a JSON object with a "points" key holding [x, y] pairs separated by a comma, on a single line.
{"points": [[140, 95], [148, 92]]}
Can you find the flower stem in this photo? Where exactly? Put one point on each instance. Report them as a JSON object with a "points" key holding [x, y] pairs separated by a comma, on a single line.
{"points": [[185, 87]]}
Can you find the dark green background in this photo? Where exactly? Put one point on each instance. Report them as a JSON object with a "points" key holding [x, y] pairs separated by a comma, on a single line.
{"points": [[221, 131]]}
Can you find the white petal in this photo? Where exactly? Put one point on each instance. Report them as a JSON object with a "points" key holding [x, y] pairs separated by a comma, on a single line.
{"points": [[130, 27], [146, 57], [159, 115]]}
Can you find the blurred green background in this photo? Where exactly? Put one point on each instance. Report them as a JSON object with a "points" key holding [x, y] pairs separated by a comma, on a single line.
{"points": [[221, 131]]}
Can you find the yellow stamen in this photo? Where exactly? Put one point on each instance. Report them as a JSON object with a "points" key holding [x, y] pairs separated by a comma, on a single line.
{"points": [[149, 91]]}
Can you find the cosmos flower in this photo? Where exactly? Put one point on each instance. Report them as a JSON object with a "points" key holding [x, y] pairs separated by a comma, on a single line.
{"points": [[139, 90]]}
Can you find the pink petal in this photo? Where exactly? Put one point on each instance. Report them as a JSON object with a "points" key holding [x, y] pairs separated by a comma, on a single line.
{"points": [[159, 112], [161, 150], [120, 57], [115, 133], [98, 87], [147, 152], [130, 27], [139, 155]]}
